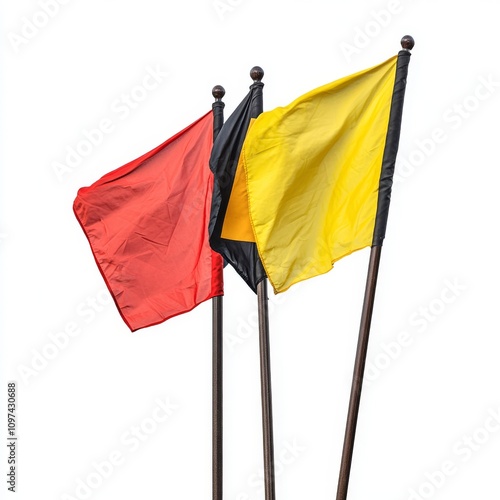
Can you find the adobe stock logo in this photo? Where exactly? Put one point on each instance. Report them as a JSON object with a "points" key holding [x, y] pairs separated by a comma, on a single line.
{"points": [[248, 327], [363, 36], [222, 7], [122, 107], [31, 27], [100, 471], [419, 322], [465, 448], [452, 118], [62, 338], [290, 452]]}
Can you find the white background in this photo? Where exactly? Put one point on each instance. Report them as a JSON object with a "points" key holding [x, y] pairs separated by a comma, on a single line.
{"points": [[425, 403]]}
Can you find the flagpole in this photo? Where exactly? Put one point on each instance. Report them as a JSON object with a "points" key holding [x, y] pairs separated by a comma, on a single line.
{"points": [[218, 93], [359, 368], [391, 147], [266, 394], [257, 73]]}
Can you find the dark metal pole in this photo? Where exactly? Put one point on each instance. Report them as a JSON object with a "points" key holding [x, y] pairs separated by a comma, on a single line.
{"points": [[257, 74], [218, 112], [388, 164], [359, 369], [266, 394]]}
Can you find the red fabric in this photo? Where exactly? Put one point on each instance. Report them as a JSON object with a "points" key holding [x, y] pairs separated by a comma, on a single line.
{"points": [[147, 225]]}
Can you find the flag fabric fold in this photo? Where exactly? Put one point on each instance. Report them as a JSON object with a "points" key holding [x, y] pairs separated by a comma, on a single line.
{"points": [[146, 223], [313, 171], [241, 254]]}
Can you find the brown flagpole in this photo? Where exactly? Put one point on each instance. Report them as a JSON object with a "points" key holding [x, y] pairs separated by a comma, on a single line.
{"points": [[257, 73], [218, 93], [388, 164]]}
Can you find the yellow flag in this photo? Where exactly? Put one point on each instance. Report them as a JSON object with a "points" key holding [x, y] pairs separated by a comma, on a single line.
{"points": [[312, 172]]}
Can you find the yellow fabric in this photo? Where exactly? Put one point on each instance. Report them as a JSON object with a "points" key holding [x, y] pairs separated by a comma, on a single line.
{"points": [[313, 170], [237, 224]]}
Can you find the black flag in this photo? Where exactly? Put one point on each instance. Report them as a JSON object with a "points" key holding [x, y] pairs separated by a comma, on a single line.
{"points": [[242, 255]]}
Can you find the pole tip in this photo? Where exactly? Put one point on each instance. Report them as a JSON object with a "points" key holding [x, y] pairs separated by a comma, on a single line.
{"points": [[218, 92], [256, 74], [407, 42]]}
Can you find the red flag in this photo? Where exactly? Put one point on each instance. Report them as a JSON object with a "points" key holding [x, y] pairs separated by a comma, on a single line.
{"points": [[147, 225]]}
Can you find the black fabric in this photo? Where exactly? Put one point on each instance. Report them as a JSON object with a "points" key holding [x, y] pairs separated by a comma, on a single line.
{"points": [[242, 255], [391, 148]]}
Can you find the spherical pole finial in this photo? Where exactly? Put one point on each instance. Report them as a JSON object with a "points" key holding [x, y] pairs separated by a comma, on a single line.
{"points": [[407, 42], [218, 92], [256, 74]]}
